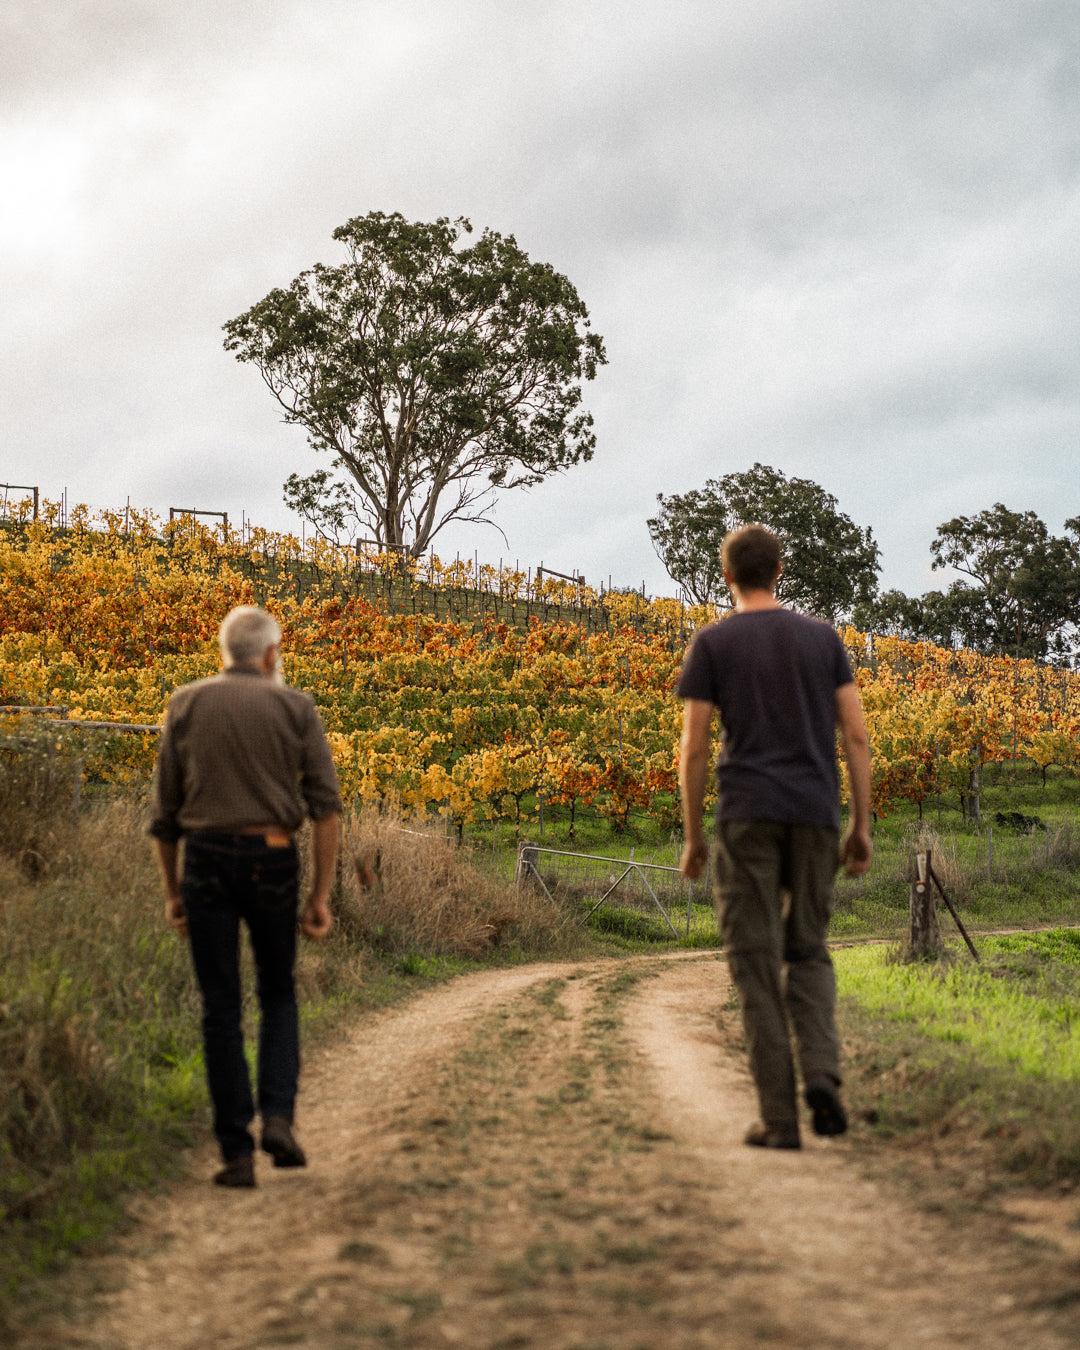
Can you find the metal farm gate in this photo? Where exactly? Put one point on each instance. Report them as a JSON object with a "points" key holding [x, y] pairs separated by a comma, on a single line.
{"points": [[596, 879]]}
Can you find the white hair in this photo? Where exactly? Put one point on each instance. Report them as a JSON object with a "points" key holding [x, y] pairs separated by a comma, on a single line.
{"points": [[245, 634]]}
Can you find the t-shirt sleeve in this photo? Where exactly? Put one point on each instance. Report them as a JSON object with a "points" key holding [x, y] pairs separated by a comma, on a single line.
{"points": [[696, 678], [843, 672]]}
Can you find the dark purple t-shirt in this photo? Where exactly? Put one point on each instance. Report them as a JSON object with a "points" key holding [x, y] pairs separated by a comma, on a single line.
{"points": [[773, 674]]}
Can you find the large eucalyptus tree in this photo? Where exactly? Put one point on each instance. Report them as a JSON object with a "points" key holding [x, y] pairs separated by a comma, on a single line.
{"points": [[432, 373]]}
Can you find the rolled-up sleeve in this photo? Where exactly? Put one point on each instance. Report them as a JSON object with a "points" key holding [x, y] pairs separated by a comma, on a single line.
{"points": [[318, 775], [167, 788]]}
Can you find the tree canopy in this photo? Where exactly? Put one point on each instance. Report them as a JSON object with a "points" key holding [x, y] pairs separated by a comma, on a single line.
{"points": [[433, 374], [830, 564], [1018, 595]]}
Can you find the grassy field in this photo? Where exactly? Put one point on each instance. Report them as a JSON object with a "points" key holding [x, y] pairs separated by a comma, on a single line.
{"points": [[1015, 1008], [996, 876]]}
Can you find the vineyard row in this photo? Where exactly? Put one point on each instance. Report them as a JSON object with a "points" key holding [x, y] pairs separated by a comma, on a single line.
{"points": [[472, 713]]}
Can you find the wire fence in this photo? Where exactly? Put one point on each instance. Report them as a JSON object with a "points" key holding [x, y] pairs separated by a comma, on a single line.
{"points": [[459, 590], [56, 714], [595, 880]]}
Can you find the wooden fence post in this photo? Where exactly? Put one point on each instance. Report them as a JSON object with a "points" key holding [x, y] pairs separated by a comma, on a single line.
{"points": [[924, 925], [76, 791]]}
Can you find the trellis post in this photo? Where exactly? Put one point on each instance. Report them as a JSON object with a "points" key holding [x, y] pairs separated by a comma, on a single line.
{"points": [[924, 925]]}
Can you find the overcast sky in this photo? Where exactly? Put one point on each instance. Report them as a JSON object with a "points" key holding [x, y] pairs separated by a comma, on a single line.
{"points": [[841, 238]]}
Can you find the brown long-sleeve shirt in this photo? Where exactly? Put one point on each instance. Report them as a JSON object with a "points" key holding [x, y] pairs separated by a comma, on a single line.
{"points": [[240, 750]]}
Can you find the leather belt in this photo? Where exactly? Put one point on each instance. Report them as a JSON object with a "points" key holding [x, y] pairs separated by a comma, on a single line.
{"points": [[276, 836]]}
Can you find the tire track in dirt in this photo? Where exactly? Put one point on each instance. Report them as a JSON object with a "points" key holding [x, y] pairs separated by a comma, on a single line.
{"points": [[549, 1157], [211, 1267], [851, 1262]]}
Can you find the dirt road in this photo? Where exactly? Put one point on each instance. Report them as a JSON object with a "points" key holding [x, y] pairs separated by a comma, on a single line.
{"points": [[550, 1157]]}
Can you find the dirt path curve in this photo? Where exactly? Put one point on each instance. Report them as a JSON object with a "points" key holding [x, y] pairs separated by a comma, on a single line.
{"points": [[549, 1157]]}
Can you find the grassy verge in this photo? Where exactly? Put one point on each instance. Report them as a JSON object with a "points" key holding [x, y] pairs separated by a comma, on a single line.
{"points": [[630, 929], [975, 1065]]}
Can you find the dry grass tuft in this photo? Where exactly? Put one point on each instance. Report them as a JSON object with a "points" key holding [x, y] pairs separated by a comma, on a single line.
{"points": [[97, 1008], [56, 1076], [1064, 850], [922, 837], [37, 794], [963, 871], [410, 889]]}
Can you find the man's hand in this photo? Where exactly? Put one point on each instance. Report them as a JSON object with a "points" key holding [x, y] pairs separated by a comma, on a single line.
{"points": [[168, 852], [695, 858], [175, 914], [316, 920], [856, 851]]}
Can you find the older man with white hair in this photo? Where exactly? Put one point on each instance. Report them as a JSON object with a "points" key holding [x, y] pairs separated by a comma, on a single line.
{"points": [[243, 758]]}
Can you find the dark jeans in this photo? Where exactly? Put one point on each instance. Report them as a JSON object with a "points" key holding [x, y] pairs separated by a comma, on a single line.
{"points": [[228, 878]]}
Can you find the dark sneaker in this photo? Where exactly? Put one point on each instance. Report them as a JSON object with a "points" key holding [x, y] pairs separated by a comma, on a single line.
{"points": [[822, 1098], [237, 1172], [767, 1136], [278, 1141]]}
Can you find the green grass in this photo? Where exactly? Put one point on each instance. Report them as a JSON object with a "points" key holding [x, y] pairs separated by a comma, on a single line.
{"points": [[638, 930], [1022, 884], [1023, 949], [1019, 882], [1017, 879], [1027, 895], [1018, 1008], [958, 1057]]}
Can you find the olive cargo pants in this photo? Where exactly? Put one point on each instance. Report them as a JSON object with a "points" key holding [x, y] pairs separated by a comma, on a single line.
{"points": [[774, 889]]}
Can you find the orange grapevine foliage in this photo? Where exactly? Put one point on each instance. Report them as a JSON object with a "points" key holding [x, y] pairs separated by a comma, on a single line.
{"points": [[472, 716]]}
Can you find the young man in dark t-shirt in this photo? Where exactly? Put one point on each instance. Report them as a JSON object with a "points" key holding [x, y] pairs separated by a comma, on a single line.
{"points": [[783, 685]]}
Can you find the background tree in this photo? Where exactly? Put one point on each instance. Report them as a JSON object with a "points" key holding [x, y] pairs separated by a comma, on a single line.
{"points": [[1021, 597], [952, 618], [433, 374], [892, 614], [830, 564], [1027, 581]]}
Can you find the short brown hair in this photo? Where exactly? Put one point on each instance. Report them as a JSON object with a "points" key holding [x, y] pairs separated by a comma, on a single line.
{"points": [[751, 556]]}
